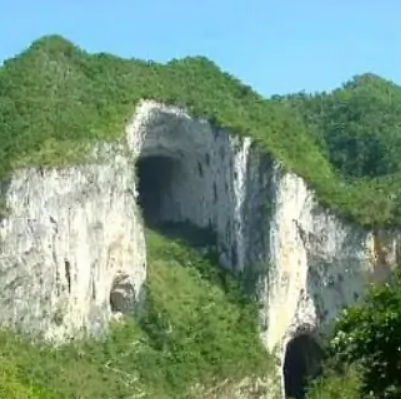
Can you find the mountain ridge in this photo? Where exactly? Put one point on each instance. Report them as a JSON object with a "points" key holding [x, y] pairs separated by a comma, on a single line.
{"points": [[56, 99]]}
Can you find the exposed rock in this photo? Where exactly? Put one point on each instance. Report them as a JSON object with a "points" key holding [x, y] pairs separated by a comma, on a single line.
{"points": [[308, 262], [318, 264], [267, 220], [73, 240], [74, 236], [203, 178]]}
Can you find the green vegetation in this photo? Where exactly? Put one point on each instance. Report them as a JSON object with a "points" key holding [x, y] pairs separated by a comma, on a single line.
{"points": [[334, 385], [357, 128], [365, 350], [197, 329], [55, 99]]}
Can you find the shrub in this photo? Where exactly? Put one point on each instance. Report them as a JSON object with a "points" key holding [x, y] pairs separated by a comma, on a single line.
{"points": [[368, 334]]}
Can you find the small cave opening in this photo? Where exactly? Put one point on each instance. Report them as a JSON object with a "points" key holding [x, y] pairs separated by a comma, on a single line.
{"points": [[122, 295], [157, 177], [302, 364]]}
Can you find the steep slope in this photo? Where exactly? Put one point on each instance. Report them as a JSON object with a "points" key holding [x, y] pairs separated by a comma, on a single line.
{"points": [[198, 337]]}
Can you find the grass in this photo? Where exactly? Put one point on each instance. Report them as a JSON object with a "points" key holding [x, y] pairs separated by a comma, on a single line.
{"points": [[197, 328], [56, 99]]}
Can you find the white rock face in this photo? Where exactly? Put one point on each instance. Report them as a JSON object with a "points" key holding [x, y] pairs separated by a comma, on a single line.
{"points": [[267, 221], [75, 233], [318, 264], [206, 183], [72, 250]]}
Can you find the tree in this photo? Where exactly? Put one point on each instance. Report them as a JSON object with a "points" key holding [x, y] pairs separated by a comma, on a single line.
{"points": [[369, 334]]}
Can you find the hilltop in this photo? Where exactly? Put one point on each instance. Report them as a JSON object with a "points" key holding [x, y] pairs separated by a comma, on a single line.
{"points": [[56, 99]]}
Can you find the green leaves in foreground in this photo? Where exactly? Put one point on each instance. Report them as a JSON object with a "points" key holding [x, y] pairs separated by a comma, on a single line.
{"points": [[367, 345]]}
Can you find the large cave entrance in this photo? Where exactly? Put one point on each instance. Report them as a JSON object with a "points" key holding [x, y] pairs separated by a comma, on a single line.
{"points": [[302, 363], [159, 178], [168, 199]]}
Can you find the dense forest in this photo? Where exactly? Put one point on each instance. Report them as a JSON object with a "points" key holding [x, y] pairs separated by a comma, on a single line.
{"points": [[356, 127]]}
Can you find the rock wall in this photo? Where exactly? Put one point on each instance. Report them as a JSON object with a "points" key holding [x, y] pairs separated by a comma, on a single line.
{"points": [[318, 263], [73, 248], [267, 220], [307, 262], [72, 251], [207, 182]]}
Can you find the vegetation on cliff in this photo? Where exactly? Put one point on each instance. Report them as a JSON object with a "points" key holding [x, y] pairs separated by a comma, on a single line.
{"points": [[198, 331], [55, 99], [364, 351]]}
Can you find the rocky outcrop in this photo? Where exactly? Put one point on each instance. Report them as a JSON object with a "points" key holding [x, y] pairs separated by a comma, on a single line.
{"points": [[268, 222], [318, 264], [305, 263], [73, 247]]}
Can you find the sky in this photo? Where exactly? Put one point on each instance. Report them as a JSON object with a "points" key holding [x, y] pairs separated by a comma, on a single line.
{"points": [[277, 47]]}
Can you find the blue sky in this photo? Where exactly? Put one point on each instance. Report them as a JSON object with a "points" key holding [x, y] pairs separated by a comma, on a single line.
{"points": [[276, 46]]}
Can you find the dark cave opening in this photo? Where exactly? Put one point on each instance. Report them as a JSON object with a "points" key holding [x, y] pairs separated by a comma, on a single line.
{"points": [[162, 187], [302, 363], [156, 178], [122, 294]]}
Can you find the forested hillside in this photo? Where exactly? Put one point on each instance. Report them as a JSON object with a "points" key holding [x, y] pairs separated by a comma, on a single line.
{"points": [[56, 98], [357, 127]]}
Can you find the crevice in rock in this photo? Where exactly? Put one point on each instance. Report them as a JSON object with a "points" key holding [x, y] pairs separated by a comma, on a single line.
{"points": [[67, 267], [302, 363]]}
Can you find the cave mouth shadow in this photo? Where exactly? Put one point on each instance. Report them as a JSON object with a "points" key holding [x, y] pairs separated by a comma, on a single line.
{"points": [[160, 191], [156, 178], [302, 363]]}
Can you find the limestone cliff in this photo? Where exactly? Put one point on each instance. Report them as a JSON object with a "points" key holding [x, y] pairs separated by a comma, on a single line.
{"points": [[73, 246], [268, 222], [307, 263]]}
